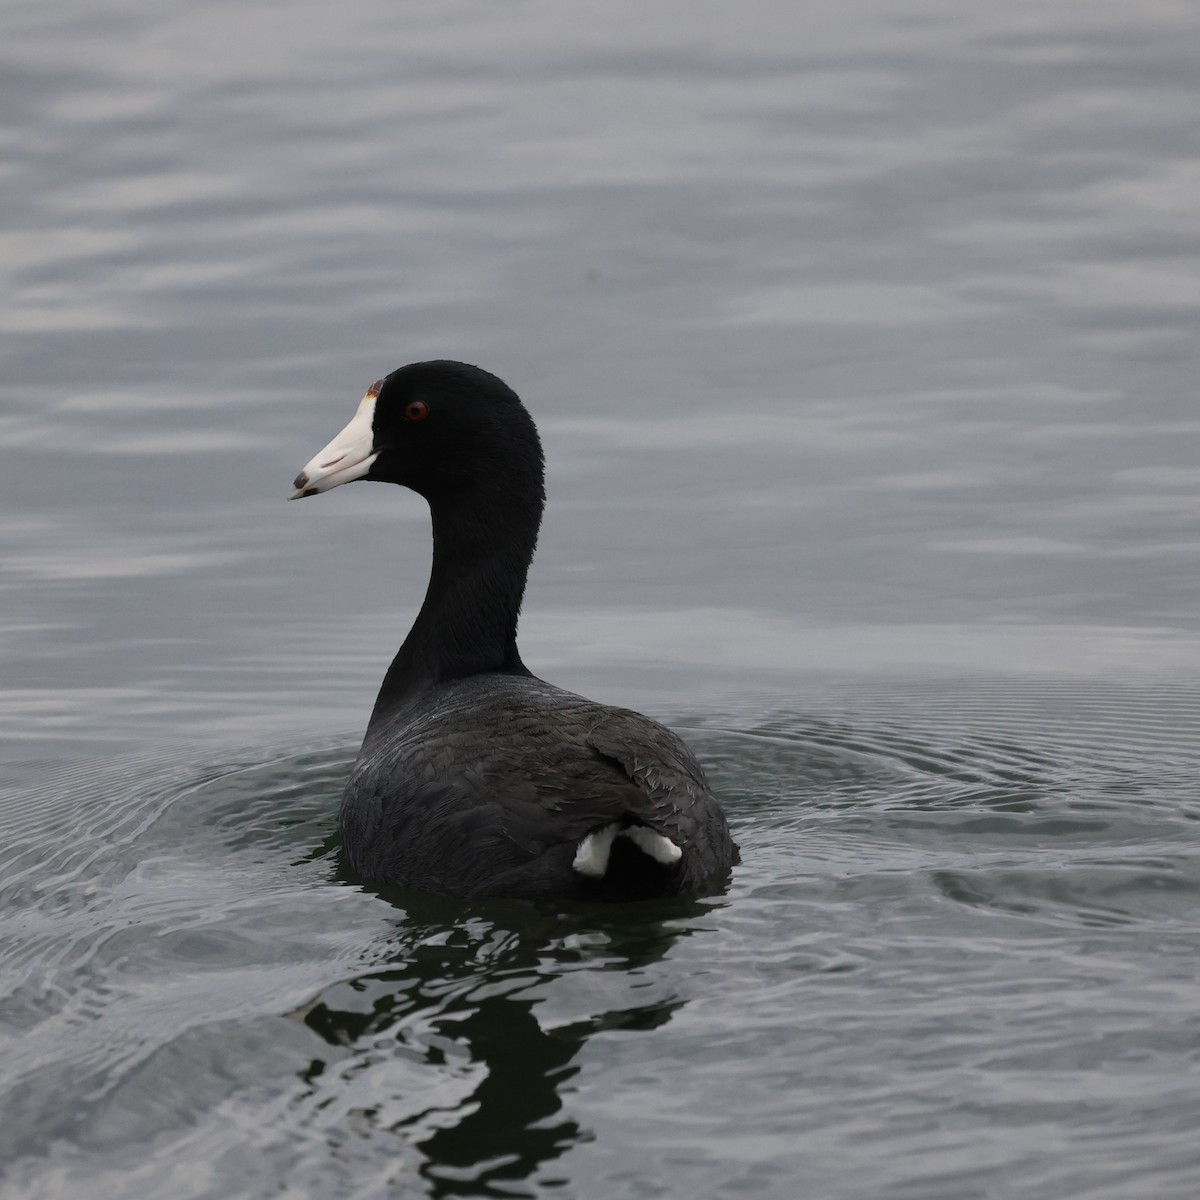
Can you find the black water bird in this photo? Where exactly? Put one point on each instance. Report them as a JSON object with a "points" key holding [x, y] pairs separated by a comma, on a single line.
{"points": [[476, 778]]}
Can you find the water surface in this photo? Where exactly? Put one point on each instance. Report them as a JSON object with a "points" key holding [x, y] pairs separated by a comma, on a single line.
{"points": [[862, 343]]}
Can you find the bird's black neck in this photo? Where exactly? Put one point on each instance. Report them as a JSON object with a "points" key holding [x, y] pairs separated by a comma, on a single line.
{"points": [[482, 547]]}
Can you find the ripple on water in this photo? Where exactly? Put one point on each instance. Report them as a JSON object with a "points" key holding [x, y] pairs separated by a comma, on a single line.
{"points": [[961, 909], [147, 900], [1060, 804]]}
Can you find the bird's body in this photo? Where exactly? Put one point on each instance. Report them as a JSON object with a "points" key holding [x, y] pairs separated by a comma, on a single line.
{"points": [[536, 771], [476, 778]]}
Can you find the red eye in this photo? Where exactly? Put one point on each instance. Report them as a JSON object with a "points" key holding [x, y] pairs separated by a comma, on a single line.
{"points": [[416, 410]]}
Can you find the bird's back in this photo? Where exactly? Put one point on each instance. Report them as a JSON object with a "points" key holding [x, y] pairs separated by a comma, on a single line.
{"points": [[493, 784]]}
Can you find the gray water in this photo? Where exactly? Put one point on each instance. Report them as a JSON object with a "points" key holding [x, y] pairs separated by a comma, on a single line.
{"points": [[862, 339]]}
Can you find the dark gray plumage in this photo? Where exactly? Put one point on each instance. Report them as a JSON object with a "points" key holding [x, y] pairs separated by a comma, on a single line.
{"points": [[476, 778]]}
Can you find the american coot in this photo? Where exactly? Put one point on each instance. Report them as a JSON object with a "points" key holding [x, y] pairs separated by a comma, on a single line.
{"points": [[475, 777]]}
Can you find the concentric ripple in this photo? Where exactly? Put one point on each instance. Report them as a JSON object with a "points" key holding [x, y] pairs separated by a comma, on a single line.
{"points": [[965, 919]]}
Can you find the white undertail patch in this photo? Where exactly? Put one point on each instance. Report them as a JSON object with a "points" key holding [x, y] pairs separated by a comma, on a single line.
{"points": [[660, 848], [591, 858]]}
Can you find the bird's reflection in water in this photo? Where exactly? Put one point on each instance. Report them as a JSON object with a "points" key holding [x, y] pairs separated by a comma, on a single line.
{"points": [[459, 999]]}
